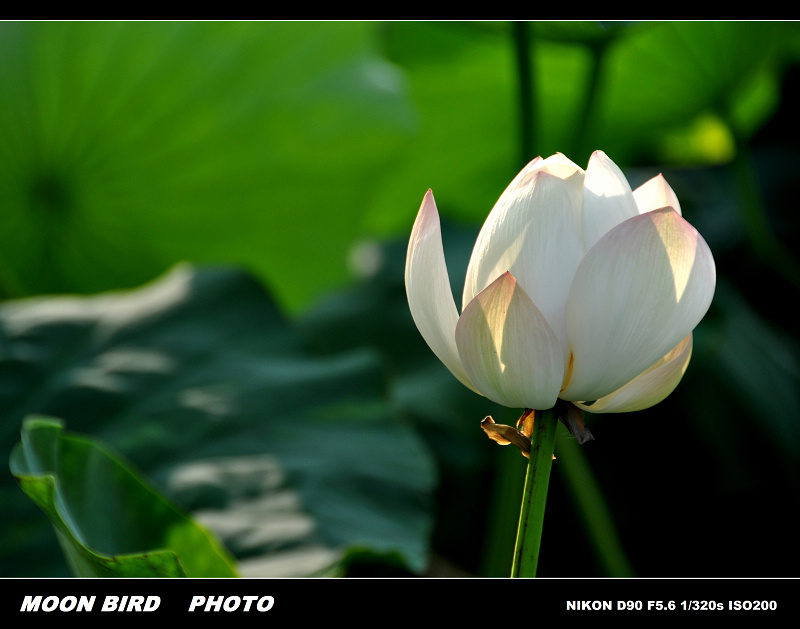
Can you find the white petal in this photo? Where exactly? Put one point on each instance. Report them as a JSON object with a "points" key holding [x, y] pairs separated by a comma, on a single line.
{"points": [[510, 352], [655, 194], [607, 199], [640, 290], [534, 232], [430, 298], [650, 387]]}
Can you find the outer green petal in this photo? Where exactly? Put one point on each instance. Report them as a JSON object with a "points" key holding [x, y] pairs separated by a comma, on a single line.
{"points": [[638, 292], [533, 231], [607, 199], [430, 298], [650, 387], [507, 347]]}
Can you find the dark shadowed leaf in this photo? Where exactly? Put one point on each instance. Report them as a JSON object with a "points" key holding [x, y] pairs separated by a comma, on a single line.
{"points": [[288, 455]]}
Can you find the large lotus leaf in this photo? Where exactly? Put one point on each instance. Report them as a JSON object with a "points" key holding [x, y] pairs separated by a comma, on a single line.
{"points": [[665, 75], [289, 456], [126, 147], [659, 83], [108, 521]]}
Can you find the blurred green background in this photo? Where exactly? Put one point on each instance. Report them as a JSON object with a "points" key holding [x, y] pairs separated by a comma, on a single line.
{"points": [[272, 385]]}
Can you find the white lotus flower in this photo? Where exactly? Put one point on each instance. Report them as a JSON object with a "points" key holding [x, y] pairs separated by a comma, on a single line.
{"points": [[578, 289]]}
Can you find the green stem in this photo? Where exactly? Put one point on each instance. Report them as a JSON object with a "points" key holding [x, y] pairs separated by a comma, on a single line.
{"points": [[586, 117], [534, 495], [522, 50]]}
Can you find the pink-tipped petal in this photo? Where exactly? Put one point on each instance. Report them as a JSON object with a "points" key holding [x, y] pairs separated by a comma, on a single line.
{"points": [[655, 194], [533, 231], [638, 292], [508, 348], [430, 298], [648, 388]]}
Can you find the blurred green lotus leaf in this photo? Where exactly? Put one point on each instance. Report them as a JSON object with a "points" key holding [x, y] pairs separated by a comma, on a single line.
{"points": [[108, 521], [288, 455], [667, 92], [126, 147]]}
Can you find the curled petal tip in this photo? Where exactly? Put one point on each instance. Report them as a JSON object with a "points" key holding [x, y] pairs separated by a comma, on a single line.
{"points": [[428, 288], [428, 215]]}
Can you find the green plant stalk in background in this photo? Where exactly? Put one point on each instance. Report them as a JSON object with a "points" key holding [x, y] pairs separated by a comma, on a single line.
{"points": [[534, 495], [591, 507], [522, 55]]}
